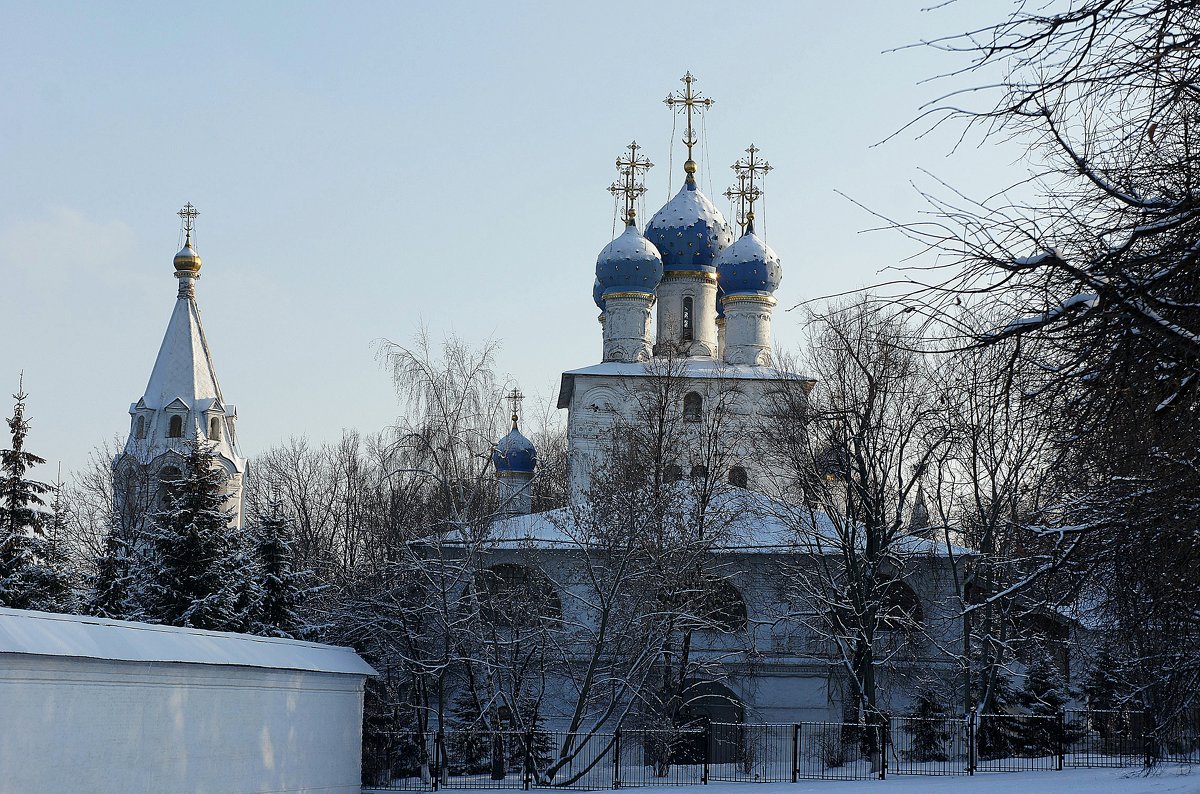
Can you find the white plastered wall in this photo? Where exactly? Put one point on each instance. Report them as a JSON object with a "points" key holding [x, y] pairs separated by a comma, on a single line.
{"points": [[93, 725]]}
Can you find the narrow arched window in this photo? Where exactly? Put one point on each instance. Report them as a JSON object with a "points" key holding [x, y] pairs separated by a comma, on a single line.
{"points": [[141, 427], [514, 596], [738, 478], [168, 480], [899, 607], [692, 406], [175, 428], [214, 429], [685, 328]]}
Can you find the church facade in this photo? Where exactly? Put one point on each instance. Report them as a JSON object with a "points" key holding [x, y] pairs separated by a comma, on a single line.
{"points": [[686, 309]]}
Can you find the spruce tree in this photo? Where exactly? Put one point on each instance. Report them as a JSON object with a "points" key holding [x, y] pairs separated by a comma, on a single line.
{"points": [[32, 566], [1045, 694], [118, 582], [277, 590], [928, 730], [193, 566]]}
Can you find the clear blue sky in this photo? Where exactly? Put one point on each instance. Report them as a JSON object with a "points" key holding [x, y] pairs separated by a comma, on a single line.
{"points": [[365, 168]]}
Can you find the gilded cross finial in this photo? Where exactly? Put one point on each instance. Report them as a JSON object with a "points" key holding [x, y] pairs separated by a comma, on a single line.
{"points": [[630, 167], [688, 100], [514, 398], [749, 170], [188, 214]]}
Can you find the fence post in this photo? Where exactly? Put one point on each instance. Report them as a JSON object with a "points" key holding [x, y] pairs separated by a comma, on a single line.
{"points": [[440, 774], [972, 736], [528, 766], [707, 739], [1062, 738], [882, 723], [795, 753], [617, 758], [1146, 740]]}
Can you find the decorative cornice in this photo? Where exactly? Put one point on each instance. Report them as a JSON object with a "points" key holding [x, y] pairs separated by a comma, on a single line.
{"points": [[747, 298], [693, 275]]}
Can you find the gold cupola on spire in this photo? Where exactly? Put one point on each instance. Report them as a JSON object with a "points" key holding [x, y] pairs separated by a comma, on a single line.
{"points": [[187, 261]]}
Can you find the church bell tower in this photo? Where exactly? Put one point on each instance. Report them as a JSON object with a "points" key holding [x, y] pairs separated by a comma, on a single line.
{"points": [[182, 404]]}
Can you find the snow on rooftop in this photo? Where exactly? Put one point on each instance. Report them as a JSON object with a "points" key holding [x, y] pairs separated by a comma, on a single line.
{"points": [[750, 523], [47, 634]]}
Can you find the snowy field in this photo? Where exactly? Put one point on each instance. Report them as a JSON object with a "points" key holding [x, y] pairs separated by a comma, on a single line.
{"points": [[1165, 780]]}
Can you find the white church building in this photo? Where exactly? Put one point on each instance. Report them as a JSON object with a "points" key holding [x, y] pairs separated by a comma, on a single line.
{"points": [[688, 302]]}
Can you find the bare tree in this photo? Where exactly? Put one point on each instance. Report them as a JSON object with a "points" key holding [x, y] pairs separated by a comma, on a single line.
{"points": [[1095, 277], [851, 455]]}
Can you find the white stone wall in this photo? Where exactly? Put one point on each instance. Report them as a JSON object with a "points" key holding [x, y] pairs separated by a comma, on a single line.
{"points": [[702, 289], [627, 326], [748, 330], [96, 725], [600, 402]]}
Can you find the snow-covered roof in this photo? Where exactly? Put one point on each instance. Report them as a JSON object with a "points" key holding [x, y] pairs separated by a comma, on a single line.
{"points": [[747, 522], [184, 367], [48, 634]]}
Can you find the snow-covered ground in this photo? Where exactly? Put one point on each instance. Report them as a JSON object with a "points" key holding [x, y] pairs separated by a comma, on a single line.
{"points": [[1164, 780], [1167, 780]]}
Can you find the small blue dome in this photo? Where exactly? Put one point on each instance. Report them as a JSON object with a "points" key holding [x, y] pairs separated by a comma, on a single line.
{"points": [[748, 267], [514, 453], [598, 294], [689, 231], [628, 264]]}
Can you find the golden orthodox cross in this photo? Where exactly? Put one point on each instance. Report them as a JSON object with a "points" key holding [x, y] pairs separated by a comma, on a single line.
{"points": [[188, 214], [688, 100], [749, 170], [630, 167], [514, 398]]}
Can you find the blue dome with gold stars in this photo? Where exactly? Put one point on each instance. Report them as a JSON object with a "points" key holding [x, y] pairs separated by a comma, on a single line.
{"points": [[748, 267], [689, 231], [514, 454], [629, 263]]}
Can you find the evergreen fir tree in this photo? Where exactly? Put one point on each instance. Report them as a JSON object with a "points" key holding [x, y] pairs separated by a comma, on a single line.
{"points": [[278, 589], [999, 734], [193, 565], [1045, 694], [117, 583], [32, 567], [469, 740], [928, 731]]}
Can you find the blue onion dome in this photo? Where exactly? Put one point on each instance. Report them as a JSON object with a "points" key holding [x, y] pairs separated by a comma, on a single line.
{"points": [[629, 263], [748, 267], [598, 294], [514, 454], [689, 231]]}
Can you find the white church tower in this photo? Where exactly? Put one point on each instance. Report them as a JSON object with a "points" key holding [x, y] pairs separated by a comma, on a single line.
{"points": [[182, 403], [714, 298]]}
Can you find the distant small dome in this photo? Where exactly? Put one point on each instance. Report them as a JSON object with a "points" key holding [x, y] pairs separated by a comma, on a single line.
{"points": [[187, 260], [514, 454], [748, 267], [629, 263], [689, 231]]}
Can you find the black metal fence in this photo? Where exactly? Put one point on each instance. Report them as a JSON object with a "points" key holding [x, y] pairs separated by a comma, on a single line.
{"points": [[944, 745]]}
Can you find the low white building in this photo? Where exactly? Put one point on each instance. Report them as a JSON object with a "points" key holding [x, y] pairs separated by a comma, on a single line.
{"points": [[94, 705]]}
